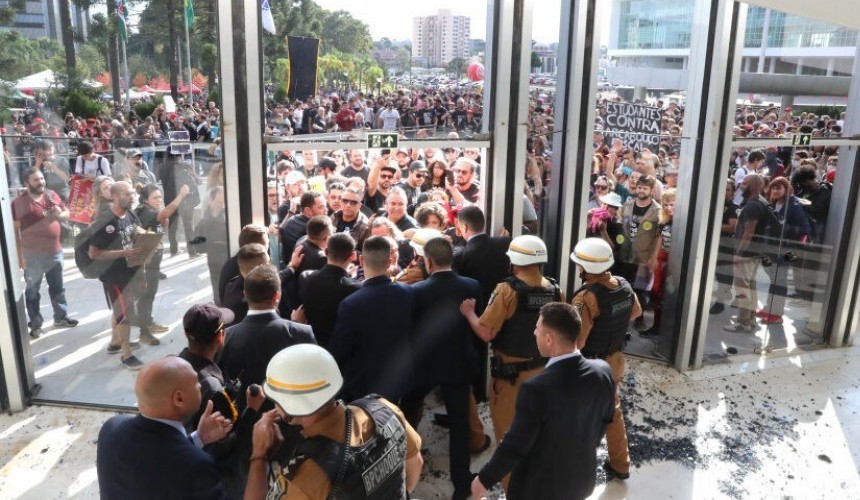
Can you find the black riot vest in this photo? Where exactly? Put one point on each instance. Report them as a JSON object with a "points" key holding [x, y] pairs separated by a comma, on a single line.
{"points": [[609, 332], [374, 470], [516, 338]]}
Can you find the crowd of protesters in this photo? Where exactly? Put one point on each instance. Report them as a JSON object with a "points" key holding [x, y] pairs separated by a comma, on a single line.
{"points": [[776, 208]]}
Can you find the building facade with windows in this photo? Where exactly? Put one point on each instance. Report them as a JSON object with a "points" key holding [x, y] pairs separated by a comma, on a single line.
{"points": [[41, 18], [438, 39]]}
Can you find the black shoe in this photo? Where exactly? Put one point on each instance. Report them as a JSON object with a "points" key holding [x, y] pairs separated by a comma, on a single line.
{"points": [[717, 308], [162, 276], [612, 473], [65, 322], [36, 332], [652, 332], [442, 420]]}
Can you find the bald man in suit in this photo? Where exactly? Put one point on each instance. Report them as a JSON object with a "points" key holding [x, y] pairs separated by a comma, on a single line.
{"points": [[150, 455]]}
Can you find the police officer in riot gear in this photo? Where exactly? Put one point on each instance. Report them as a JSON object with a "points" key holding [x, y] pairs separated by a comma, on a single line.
{"points": [[364, 450], [606, 304], [509, 322]]}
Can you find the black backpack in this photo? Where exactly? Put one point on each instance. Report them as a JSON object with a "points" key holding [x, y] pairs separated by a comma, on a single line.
{"points": [[92, 269], [89, 268]]}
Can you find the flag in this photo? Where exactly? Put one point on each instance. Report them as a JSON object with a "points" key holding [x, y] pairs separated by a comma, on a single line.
{"points": [[121, 15], [268, 20], [189, 13]]}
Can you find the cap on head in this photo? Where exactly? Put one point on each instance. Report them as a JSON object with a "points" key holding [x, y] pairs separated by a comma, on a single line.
{"points": [[302, 379], [527, 250], [202, 321], [132, 153], [421, 237], [594, 255], [417, 165]]}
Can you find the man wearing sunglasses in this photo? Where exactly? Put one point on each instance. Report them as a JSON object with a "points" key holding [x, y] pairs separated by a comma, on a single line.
{"points": [[412, 184], [349, 218], [379, 182]]}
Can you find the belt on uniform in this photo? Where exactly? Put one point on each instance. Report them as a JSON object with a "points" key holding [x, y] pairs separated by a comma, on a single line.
{"points": [[511, 371]]}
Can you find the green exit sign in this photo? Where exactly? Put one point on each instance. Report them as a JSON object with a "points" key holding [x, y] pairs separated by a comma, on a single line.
{"points": [[382, 140], [801, 139]]}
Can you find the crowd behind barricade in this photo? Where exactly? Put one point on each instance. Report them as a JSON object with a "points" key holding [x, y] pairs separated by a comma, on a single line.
{"points": [[777, 200], [417, 113]]}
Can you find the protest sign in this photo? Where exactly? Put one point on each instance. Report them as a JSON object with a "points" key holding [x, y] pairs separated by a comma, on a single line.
{"points": [[81, 200], [637, 126]]}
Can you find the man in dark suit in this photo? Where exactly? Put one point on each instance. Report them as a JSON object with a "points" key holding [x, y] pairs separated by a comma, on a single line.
{"points": [[370, 340], [484, 258], [444, 353], [292, 229], [561, 415], [251, 343], [150, 455], [248, 257], [322, 292], [251, 233]]}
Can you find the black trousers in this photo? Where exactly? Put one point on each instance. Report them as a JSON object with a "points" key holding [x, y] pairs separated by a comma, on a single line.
{"points": [[187, 217], [456, 398]]}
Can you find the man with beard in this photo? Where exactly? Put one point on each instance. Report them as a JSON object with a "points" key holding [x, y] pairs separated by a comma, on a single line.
{"points": [[750, 227], [379, 182], [356, 167], [114, 241], [37, 214], [464, 191], [640, 217], [56, 178]]}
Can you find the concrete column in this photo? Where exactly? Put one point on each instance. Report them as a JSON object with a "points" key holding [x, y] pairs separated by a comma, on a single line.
{"points": [[787, 100], [772, 69], [831, 64], [639, 92], [798, 70]]}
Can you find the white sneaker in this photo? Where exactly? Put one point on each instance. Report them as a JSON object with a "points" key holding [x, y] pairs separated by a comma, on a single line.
{"points": [[740, 328]]}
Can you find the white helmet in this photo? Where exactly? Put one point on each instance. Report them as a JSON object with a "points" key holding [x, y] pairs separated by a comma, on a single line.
{"points": [[527, 250], [593, 254], [302, 378], [421, 237]]}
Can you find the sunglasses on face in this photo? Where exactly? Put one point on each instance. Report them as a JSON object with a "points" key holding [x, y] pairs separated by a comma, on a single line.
{"points": [[349, 202], [386, 176]]}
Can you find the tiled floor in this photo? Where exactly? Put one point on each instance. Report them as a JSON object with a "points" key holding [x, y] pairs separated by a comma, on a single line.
{"points": [[780, 426], [790, 430]]}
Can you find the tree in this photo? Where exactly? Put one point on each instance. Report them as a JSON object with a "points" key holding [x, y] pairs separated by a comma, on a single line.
{"points": [[68, 38], [8, 11], [344, 33], [536, 62], [21, 57], [457, 66]]}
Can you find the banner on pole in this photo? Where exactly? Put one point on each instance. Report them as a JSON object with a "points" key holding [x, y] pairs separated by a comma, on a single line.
{"points": [[268, 20], [303, 53], [122, 16], [637, 126], [81, 200]]}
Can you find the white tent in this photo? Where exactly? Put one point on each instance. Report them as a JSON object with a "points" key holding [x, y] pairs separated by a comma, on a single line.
{"points": [[44, 80]]}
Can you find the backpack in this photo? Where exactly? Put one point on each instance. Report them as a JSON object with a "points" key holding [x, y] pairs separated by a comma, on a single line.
{"points": [[92, 269], [89, 268], [772, 230]]}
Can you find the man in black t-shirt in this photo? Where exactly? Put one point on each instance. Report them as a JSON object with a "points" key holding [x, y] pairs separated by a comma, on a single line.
{"points": [[723, 290], [750, 226], [114, 241]]}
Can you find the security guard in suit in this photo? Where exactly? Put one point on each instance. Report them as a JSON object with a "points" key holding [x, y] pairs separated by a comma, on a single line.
{"points": [[363, 450], [509, 322], [606, 304]]}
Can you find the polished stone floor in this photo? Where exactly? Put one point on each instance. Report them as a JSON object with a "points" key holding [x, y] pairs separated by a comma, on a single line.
{"points": [[775, 427]]}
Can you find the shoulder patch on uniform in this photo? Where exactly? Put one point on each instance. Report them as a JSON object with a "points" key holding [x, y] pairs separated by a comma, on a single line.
{"points": [[109, 229], [578, 306], [492, 298]]}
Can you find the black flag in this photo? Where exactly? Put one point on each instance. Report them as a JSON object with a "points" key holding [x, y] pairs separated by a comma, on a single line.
{"points": [[303, 54]]}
